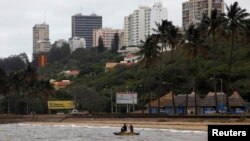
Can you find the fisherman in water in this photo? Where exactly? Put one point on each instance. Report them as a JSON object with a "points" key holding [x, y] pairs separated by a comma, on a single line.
{"points": [[124, 128]]}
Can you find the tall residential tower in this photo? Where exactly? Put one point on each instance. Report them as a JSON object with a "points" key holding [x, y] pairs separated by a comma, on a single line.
{"points": [[140, 24], [41, 43], [83, 27], [193, 10]]}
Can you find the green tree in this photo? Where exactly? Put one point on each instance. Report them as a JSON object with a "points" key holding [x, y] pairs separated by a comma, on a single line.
{"points": [[169, 36], [235, 18], [57, 54], [3, 82], [150, 51], [246, 33], [100, 47], [30, 79], [194, 48], [115, 43], [14, 63], [212, 27]]}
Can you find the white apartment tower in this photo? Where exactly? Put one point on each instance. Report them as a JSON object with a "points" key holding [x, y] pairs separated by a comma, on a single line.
{"points": [[193, 10], [41, 43], [140, 24]]}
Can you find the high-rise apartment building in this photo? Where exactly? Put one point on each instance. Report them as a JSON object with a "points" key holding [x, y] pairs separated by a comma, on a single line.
{"points": [[107, 35], [41, 43], [140, 24], [193, 10], [83, 26]]}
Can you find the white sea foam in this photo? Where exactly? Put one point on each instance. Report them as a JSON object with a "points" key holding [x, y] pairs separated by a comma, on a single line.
{"points": [[172, 130], [110, 127]]}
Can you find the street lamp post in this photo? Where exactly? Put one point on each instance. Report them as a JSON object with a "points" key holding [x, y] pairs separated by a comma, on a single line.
{"points": [[127, 104], [111, 98], [141, 89], [215, 94], [221, 81]]}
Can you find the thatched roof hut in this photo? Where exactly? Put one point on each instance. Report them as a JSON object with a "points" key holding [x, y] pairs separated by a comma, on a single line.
{"points": [[209, 100], [235, 100], [165, 101], [180, 100]]}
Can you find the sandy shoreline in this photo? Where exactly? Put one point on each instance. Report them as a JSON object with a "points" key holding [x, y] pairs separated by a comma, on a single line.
{"points": [[184, 123], [146, 123]]}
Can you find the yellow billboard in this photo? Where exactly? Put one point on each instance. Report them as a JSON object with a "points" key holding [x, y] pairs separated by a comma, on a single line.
{"points": [[61, 105]]}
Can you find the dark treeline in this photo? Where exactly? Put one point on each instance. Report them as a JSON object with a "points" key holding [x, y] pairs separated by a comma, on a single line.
{"points": [[23, 92], [14, 62]]}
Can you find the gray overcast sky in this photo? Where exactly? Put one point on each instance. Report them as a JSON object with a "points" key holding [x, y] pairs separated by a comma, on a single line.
{"points": [[17, 17]]}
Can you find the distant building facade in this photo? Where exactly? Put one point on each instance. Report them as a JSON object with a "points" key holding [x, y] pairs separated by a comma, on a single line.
{"points": [[83, 26], [42, 60], [121, 40], [41, 43], [193, 10], [76, 42], [107, 35], [140, 24], [60, 43]]}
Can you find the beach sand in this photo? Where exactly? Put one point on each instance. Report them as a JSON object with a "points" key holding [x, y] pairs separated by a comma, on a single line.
{"points": [[179, 124]]}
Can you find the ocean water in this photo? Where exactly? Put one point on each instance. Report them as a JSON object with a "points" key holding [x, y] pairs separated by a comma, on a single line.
{"points": [[73, 132]]}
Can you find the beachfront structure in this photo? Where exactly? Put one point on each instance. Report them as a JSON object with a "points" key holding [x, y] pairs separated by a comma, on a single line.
{"points": [[185, 104], [41, 43], [166, 105], [140, 24], [84, 25], [208, 103], [237, 104], [193, 10], [76, 42], [107, 35]]}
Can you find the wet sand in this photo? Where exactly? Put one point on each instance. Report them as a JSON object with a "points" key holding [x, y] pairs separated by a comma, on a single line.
{"points": [[179, 124], [182, 123]]}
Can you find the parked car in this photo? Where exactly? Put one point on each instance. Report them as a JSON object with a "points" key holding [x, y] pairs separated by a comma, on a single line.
{"points": [[74, 111]]}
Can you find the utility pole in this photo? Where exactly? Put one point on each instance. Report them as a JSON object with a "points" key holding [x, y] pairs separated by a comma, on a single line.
{"points": [[221, 82], [111, 98]]}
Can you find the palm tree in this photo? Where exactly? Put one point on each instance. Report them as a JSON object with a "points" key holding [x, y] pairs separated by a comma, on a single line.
{"points": [[212, 26], [193, 46], [150, 53], [162, 32], [168, 35], [30, 78], [235, 18]]}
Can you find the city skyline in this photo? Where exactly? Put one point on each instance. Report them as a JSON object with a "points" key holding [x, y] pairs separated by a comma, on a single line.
{"points": [[18, 18]]}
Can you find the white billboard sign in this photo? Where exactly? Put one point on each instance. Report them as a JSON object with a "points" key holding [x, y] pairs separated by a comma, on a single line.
{"points": [[126, 98]]}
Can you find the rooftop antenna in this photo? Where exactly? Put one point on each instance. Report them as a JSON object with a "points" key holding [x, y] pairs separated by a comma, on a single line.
{"points": [[44, 17]]}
